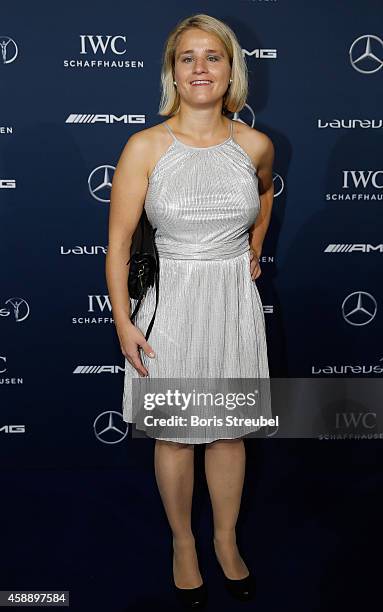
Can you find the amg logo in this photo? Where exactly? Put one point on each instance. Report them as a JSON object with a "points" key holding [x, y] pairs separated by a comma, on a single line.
{"points": [[104, 118], [98, 369], [7, 184], [351, 248], [268, 308], [261, 53], [12, 429]]}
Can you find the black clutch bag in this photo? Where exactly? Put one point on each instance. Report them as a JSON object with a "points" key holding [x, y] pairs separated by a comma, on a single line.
{"points": [[144, 266]]}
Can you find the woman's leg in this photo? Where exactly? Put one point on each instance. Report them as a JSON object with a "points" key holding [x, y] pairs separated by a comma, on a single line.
{"points": [[225, 462], [174, 470]]}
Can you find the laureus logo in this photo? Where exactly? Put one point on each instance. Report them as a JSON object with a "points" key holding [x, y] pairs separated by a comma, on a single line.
{"points": [[8, 50]]}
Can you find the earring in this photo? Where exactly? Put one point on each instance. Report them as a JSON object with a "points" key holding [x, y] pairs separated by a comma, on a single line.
{"points": [[231, 80], [174, 83]]}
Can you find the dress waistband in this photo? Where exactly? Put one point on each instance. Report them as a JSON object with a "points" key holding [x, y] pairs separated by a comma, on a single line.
{"points": [[221, 250]]}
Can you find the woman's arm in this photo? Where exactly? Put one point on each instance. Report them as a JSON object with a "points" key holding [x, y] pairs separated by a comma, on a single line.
{"points": [[129, 188], [258, 230]]}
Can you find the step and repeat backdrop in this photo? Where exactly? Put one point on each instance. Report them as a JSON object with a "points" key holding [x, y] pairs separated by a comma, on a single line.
{"points": [[77, 80]]}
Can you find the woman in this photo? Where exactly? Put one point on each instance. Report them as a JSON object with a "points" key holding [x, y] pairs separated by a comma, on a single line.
{"points": [[206, 184]]}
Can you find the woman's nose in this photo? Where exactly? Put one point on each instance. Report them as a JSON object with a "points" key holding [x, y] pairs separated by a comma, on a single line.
{"points": [[200, 64]]}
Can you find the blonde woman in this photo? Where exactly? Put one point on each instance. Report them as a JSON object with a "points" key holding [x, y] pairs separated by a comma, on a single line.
{"points": [[206, 184]]}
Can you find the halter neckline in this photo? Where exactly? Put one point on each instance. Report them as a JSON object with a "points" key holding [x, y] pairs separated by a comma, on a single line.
{"points": [[201, 148]]}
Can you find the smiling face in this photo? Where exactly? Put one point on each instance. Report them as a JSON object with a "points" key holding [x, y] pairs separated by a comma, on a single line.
{"points": [[202, 67]]}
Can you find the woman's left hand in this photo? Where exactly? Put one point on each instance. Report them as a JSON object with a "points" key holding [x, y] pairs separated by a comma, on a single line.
{"points": [[255, 268]]}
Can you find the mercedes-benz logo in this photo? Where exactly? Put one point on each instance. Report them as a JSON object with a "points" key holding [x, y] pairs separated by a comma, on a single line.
{"points": [[8, 49], [369, 53], [251, 123], [5, 360], [279, 184], [110, 428], [271, 430], [359, 308], [277, 179], [100, 182]]}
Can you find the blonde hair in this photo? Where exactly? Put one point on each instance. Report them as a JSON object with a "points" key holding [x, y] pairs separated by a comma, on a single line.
{"points": [[236, 95]]}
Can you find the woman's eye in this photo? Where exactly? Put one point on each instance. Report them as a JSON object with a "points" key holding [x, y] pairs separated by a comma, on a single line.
{"points": [[214, 57]]}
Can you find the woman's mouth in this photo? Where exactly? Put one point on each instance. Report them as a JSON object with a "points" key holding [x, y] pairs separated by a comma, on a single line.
{"points": [[200, 82]]}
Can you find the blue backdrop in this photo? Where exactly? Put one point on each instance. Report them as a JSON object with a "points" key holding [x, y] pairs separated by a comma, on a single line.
{"points": [[74, 88], [77, 79]]}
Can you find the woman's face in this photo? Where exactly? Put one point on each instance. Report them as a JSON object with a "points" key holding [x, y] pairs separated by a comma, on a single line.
{"points": [[200, 56]]}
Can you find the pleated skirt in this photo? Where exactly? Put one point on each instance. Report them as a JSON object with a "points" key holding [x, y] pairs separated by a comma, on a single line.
{"points": [[209, 324]]}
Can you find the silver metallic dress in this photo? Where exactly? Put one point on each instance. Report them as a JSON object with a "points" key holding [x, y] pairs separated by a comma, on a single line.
{"points": [[209, 321]]}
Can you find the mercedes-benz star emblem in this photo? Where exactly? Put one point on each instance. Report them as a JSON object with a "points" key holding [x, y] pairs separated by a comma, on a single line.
{"points": [[359, 308], [100, 182], [110, 428], [367, 52]]}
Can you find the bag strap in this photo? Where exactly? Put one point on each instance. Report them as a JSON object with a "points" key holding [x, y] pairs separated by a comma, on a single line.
{"points": [[152, 321], [155, 310], [137, 305], [156, 279]]}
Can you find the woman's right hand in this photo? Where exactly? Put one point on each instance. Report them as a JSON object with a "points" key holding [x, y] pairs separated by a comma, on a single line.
{"points": [[131, 338]]}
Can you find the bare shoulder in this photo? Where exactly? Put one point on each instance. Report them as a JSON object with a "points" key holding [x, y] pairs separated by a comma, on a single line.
{"points": [[256, 144], [145, 146]]}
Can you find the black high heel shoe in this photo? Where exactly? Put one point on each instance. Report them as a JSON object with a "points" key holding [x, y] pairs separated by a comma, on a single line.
{"points": [[242, 589], [191, 598]]}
